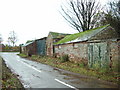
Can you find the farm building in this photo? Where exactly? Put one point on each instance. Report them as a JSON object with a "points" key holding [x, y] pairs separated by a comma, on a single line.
{"points": [[36, 47], [29, 48], [99, 46], [52, 38]]}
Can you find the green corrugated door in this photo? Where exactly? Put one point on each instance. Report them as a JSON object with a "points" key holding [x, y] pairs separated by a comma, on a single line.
{"points": [[90, 55], [98, 54], [41, 47]]}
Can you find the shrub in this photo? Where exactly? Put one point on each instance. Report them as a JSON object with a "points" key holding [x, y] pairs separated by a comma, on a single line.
{"points": [[81, 65], [65, 58]]}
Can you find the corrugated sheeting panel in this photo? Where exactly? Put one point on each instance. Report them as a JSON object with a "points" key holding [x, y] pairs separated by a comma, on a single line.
{"points": [[41, 47], [98, 55]]}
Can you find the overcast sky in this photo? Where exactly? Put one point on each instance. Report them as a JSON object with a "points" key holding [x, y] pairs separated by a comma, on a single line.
{"points": [[32, 19]]}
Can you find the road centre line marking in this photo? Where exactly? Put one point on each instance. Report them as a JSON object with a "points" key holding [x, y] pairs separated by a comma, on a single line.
{"points": [[65, 84], [30, 66]]}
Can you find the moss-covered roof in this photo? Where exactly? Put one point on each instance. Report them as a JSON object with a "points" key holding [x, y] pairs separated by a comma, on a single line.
{"points": [[82, 36], [58, 35]]}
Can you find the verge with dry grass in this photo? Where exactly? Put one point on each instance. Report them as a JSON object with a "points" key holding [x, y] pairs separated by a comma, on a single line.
{"points": [[8, 79]]}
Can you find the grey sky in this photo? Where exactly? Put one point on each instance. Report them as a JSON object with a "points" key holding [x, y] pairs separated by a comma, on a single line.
{"points": [[32, 19]]}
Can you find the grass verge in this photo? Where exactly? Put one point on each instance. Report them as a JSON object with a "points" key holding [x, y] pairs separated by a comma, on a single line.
{"points": [[9, 80], [102, 74]]}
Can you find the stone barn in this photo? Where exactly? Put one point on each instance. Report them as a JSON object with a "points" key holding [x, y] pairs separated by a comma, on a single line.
{"points": [[99, 46], [52, 38]]}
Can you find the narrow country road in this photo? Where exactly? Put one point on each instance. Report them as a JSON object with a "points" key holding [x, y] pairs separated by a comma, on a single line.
{"points": [[36, 75]]}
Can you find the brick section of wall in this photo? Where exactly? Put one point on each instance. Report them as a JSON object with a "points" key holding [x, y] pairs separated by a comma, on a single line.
{"points": [[76, 51], [22, 49], [51, 39], [49, 45], [114, 55], [30, 49]]}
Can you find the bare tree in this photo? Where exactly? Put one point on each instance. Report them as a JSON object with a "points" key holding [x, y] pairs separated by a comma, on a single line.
{"points": [[12, 38], [82, 15], [9, 42]]}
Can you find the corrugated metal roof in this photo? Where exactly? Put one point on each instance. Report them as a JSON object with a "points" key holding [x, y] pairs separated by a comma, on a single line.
{"points": [[41, 39], [28, 43], [82, 36], [33, 41]]}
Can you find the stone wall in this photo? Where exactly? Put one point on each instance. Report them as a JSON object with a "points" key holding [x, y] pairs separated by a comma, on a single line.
{"points": [[49, 45], [115, 54], [76, 51], [106, 54]]}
